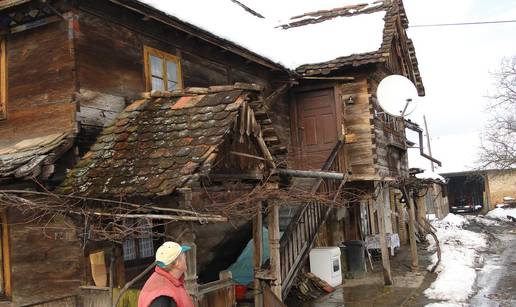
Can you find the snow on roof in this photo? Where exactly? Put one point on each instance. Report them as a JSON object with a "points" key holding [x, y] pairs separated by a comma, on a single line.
{"points": [[430, 175], [313, 43]]}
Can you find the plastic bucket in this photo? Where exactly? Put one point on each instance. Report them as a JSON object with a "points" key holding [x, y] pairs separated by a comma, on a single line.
{"points": [[240, 292]]}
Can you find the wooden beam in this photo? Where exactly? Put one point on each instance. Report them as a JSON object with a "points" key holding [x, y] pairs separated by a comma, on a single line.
{"points": [[421, 210], [387, 277], [329, 78], [265, 151], [35, 24], [6, 253], [240, 176], [311, 174], [155, 216], [274, 248], [274, 96], [191, 267], [257, 252], [402, 228]]}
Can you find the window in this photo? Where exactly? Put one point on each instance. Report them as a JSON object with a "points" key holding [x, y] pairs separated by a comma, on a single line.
{"points": [[5, 271], [141, 247], [3, 80], [162, 70]]}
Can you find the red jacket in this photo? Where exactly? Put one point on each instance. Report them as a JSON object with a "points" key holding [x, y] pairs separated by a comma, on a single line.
{"points": [[161, 283]]}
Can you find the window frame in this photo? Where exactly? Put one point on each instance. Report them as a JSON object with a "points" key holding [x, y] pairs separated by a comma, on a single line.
{"points": [[3, 79], [6, 258], [147, 52], [137, 248]]}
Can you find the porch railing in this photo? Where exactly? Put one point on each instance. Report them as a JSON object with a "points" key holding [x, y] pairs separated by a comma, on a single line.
{"points": [[299, 237]]}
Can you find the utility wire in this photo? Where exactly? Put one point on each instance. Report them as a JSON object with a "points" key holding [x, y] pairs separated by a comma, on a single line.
{"points": [[462, 23]]}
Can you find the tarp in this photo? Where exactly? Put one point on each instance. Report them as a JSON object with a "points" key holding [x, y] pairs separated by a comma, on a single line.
{"points": [[242, 269]]}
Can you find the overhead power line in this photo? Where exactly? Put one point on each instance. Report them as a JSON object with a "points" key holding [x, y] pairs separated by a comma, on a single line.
{"points": [[462, 23]]}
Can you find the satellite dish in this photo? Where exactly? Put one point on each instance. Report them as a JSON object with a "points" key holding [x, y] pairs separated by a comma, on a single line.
{"points": [[397, 95]]}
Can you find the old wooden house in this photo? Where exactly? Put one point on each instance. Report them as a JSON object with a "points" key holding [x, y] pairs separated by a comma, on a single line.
{"points": [[219, 115]]}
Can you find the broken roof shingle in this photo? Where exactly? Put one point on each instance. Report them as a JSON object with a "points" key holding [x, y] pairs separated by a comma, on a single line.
{"points": [[26, 158], [157, 144], [394, 9]]}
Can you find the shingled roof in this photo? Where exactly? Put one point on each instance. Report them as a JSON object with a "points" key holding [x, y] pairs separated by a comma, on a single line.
{"points": [[34, 157], [393, 9], [161, 143]]}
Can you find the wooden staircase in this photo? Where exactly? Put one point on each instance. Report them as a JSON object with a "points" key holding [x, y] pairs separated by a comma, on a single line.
{"points": [[299, 236]]}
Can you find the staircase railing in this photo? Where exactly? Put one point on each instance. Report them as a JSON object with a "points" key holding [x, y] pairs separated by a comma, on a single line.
{"points": [[299, 237]]}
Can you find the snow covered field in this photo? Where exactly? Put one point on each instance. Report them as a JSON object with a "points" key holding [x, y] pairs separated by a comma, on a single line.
{"points": [[459, 257]]}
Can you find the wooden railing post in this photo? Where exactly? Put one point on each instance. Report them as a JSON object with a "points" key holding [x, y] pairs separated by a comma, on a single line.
{"points": [[274, 248], [257, 252], [191, 284]]}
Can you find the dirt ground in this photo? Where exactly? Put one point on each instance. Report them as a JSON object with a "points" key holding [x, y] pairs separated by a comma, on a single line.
{"points": [[370, 291]]}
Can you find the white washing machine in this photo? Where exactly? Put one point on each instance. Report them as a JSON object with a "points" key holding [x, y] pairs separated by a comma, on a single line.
{"points": [[325, 264]]}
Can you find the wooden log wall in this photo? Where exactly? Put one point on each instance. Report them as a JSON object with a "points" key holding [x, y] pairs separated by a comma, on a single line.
{"points": [[357, 121], [45, 263], [40, 84], [390, 155]]}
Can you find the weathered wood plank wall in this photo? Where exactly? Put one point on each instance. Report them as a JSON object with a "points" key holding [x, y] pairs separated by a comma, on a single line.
{"points": [[45, 262], [40, 84], [358, 121]]}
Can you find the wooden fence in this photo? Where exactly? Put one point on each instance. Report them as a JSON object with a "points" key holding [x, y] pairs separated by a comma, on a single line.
{"points": [[68, 301], [220, 293]]}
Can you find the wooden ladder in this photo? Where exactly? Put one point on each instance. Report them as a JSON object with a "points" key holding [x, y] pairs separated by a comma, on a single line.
{"points": [[299, 236]]}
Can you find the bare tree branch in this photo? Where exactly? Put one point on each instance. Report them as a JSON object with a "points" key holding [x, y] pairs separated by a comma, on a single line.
{"points": [[498, 142]]}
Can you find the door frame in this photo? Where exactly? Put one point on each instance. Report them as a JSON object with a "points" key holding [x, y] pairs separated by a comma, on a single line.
{"points": [[294, 117]]}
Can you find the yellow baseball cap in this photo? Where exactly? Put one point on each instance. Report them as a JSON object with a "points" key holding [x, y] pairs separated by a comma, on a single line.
{"points": [[168, 252]]}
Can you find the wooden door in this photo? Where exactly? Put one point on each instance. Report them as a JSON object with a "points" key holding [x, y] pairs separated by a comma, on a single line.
{"points": [[316, 127]]}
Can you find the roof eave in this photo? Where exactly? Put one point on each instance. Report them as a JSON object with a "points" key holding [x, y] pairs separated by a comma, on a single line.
{"points": [[207, 36]]}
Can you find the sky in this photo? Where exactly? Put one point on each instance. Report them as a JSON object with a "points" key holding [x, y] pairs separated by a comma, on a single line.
{"points": [[455, 63]]}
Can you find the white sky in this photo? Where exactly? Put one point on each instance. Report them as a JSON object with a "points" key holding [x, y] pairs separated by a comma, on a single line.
{"points": [[455, 63]]}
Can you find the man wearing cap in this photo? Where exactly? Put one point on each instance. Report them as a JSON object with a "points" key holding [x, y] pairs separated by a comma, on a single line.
{"points": [[165, 287]]}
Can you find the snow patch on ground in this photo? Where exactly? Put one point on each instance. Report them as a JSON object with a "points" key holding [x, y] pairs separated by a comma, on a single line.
{"points": [[501, 213], [459, 257], [445, 305], [482, 220]]}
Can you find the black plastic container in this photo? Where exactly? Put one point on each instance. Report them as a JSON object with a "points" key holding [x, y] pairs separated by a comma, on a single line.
{"points": [[355, 258]]}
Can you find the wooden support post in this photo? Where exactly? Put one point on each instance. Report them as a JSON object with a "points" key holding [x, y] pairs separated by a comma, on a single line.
{"points": [[191, 262], [387, 277], [257, 252], [421, 210], [402, 227], [412, 231], [392, 203], [336, 233], [274, 248]]}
